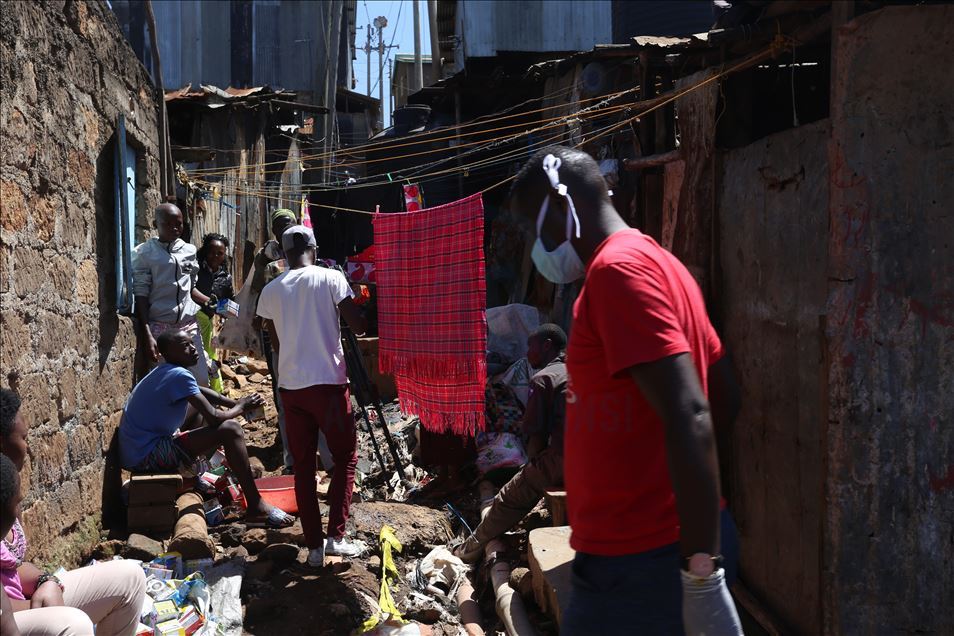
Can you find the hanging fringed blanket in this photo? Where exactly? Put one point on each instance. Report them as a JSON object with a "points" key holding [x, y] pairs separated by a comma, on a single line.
{"points": [[431, 312]]}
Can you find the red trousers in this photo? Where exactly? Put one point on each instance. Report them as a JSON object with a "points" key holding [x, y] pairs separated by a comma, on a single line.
{"points": [[327, 408]]}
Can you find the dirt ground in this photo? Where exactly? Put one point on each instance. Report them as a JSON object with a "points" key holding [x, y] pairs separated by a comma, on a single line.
{"points": [[281, 594]]}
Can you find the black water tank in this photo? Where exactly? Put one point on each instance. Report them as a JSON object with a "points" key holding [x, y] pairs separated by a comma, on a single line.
{"points": [[410, 117]]}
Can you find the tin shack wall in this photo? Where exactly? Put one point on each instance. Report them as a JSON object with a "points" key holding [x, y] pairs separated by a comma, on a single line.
{"points": [[774, 239], [889, 486]]}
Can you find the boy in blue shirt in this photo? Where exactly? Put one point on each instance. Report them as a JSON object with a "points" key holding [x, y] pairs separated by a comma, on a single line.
{"points": [[169, 420]]}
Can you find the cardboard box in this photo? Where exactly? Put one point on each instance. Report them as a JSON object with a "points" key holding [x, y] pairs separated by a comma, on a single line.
{"points": [[166, 611], [190, 620], [170, 628], [153, 489]]}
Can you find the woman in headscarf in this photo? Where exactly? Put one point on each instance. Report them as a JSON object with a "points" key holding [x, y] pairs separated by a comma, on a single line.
{"points": [[215, 282]]}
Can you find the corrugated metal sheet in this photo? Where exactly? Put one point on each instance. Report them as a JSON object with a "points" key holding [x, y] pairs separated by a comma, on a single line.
{"points": [[288, 49], [265, 52], [532, 26]]}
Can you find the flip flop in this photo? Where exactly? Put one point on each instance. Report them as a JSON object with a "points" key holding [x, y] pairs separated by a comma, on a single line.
{"points": [[275, 520]]}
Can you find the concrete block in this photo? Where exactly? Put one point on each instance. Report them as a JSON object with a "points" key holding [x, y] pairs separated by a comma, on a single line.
{"points": [[551, 559], [157, 518]]}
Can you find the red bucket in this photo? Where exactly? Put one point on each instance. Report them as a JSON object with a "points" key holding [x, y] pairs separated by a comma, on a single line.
{"points": [[278, 491]]}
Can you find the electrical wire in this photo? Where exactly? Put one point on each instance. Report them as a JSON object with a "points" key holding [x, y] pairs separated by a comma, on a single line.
{"points": [[425, 137], [659, 103], [393, 34]]}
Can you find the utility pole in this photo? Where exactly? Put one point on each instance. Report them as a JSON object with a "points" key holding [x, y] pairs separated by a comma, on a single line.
{"points": [[391, 83], [367, 52], [417, 79], [380, 24], [435, 41]]}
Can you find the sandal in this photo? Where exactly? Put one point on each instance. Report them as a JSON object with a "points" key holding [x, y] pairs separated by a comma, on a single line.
{"points": [[275, 520]]}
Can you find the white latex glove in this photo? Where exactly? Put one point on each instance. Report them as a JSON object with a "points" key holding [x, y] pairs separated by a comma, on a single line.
{"points": [[707, 607]]}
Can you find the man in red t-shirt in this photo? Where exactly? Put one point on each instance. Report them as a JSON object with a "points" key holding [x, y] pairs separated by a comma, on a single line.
{"points": [[640, 463]]}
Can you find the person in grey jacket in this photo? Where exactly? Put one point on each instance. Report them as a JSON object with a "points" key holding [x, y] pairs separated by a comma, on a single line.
{"points": [[165, 269]]}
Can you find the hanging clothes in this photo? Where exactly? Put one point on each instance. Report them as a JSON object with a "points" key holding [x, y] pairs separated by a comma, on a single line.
{"points": [[431, 312]]}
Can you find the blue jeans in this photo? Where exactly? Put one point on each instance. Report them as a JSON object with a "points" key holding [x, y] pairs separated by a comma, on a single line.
{"points": [[635, 593]]}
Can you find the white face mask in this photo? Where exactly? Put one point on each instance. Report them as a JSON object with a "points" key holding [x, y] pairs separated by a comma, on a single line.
{"points": [[563, 264]]}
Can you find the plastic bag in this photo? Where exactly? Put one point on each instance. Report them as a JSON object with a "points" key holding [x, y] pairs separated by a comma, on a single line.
{"points": [[499, 450], [517, 377], [508, 328], [238, 334]]}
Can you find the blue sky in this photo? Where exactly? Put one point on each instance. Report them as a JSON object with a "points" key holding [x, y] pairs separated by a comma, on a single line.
{"points": [[400, 15]]}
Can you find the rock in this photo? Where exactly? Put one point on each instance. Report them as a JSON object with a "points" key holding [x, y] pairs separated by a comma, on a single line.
{"points": [[142, 548], [238, 552], [258, 378], [231, 536], [255, 540], [521, 580], [106, 550], [240, 382], [416, 527], [259, 570], [257, 366], [374, 564], [258, 468], [280, 553], [241, 369], [291, 534], [227, 372]]}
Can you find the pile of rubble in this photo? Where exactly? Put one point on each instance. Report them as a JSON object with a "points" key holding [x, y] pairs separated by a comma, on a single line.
{"points": [[258, 580]]}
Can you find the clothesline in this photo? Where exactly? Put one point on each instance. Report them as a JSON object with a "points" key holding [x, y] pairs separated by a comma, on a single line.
{"points": [[779, 43], [427, 137]]}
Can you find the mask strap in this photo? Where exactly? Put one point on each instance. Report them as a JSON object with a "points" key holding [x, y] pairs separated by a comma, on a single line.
{"points": [[551, 166]]}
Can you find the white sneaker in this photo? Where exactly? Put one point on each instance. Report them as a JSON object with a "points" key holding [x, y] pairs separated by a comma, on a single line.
{"points": [[345, 548], [316, 557]]}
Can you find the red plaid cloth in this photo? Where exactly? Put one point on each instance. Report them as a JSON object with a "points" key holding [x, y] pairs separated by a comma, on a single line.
{"points": [[432, 294]]}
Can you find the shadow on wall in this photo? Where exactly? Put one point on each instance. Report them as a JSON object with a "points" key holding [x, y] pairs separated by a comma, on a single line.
{"points": [[105, 201]]}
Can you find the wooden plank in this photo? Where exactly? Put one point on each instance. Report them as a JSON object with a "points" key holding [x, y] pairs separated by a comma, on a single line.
{"points": [[641, 163]]}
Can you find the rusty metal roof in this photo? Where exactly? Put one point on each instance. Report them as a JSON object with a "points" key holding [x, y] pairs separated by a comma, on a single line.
{"points": [[215, 97]]}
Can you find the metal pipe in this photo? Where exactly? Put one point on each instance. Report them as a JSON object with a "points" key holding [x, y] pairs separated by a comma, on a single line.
{"points": [[510, 607]]}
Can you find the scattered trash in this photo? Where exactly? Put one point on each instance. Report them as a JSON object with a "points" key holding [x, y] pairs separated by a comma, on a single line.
{"points": [[439, 574], [224, 583], [386, 607]]}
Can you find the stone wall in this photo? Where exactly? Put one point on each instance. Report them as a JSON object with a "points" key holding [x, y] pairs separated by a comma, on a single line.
{"points": [[67, 73]]}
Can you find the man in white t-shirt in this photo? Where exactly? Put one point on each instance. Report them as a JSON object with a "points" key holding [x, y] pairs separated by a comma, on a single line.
{"points": [[301, 312]]}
